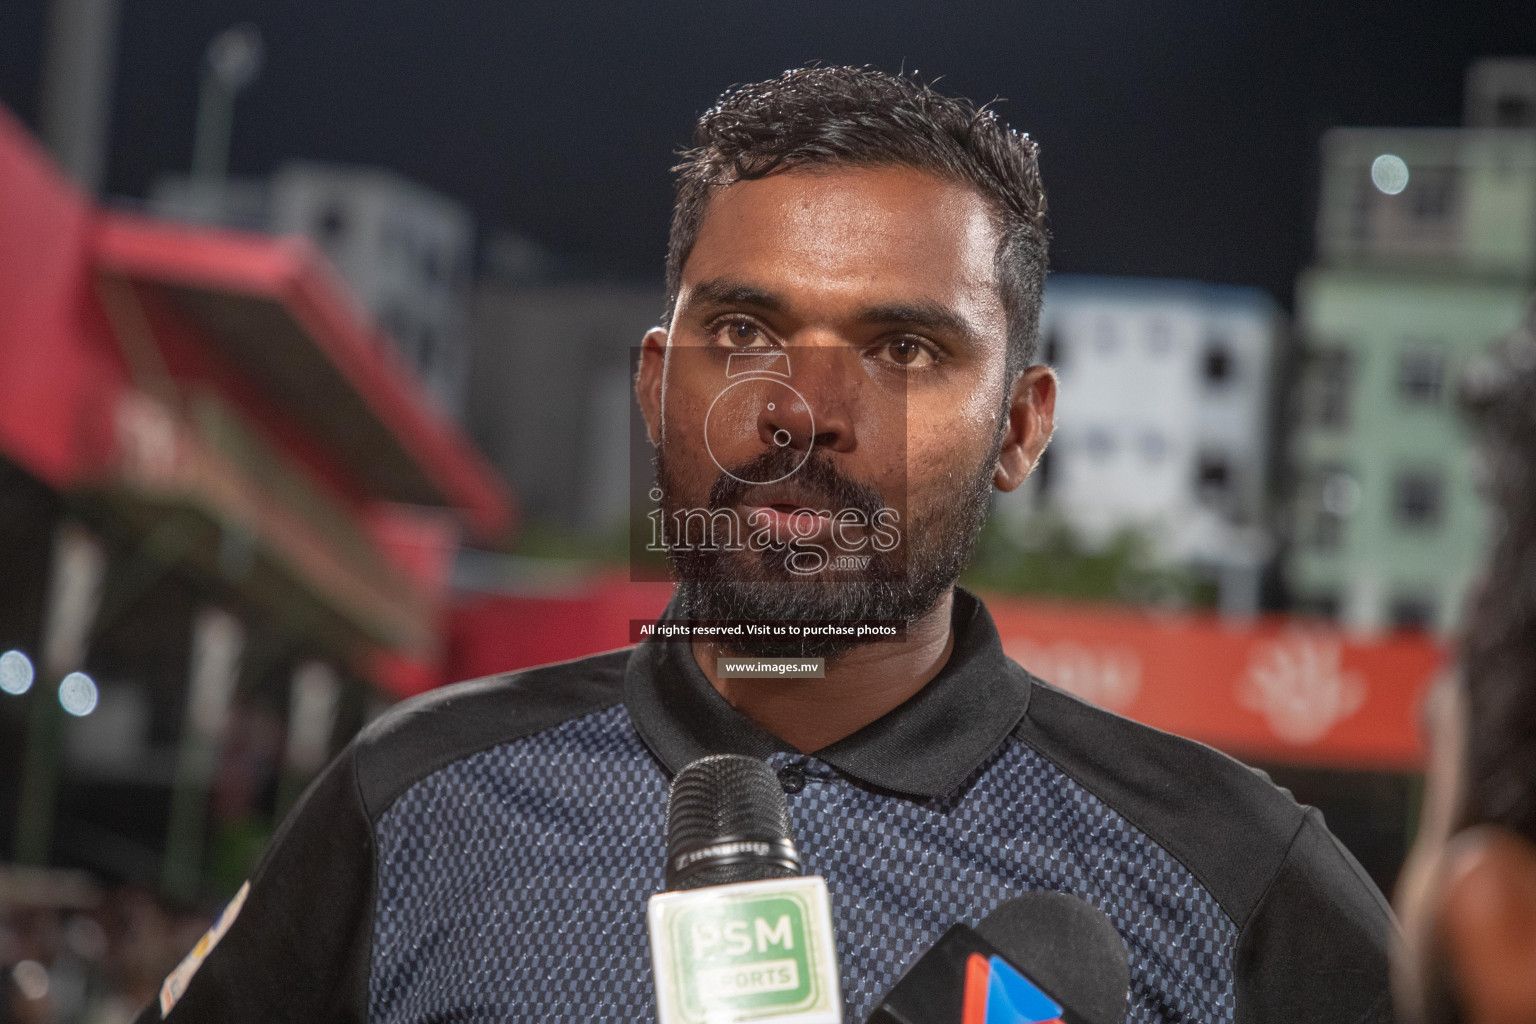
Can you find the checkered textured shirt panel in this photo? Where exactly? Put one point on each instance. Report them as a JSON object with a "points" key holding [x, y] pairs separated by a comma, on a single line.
{"points": [[512, 883]]}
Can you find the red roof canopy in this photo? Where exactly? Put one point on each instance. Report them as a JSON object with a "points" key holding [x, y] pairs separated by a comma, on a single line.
{"points": [[150, 368], [277, 312], [273, 309]]}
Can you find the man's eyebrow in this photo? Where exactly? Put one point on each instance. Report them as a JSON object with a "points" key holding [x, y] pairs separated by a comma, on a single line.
{"points": [[721, 291], [921, 315]]}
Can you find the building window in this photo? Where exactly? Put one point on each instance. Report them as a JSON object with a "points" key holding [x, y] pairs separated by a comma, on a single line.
{"points": [[1418, 499], [1432, 195], [1153, 446], [1159, 337], [1101, 443], [1513, 111], [1324, 606], [1421, 376], [1213, 478], [1220, 365], [1328, 385], [1412, 611], [330, 222], [1051, 351]]}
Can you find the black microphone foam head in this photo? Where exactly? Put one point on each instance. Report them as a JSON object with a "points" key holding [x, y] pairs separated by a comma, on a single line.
{"points": [[727, 822], [1070, 948]]}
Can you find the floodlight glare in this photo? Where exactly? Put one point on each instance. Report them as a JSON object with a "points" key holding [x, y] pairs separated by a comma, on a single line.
{"points": [[235, 55], [15, 673], [1389, 173], [77, 694]]}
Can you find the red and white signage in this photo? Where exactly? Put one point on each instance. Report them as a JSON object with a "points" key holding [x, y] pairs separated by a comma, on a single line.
{"points": [[1278, 690]]}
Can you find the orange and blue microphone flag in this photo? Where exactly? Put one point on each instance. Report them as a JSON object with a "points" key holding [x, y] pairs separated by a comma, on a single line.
{"points": [[995, 993]]}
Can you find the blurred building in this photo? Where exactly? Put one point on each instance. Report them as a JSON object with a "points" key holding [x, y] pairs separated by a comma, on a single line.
{"points": [[1426, 254], [1163, 422], [551, 394], [228, 516], [405, 252]]}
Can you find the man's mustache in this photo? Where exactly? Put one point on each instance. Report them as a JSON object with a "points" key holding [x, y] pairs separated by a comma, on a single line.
{"points": [[817, 478]]}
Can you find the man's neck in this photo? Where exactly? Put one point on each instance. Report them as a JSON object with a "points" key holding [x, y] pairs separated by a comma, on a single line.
{"points": [[859, 687]]}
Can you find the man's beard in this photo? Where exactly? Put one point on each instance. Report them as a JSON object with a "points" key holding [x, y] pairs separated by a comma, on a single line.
{"points": [[759, 586]]}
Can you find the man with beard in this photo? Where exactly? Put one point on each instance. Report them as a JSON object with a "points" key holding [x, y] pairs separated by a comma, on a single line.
{"points": [[1468, 891], [846, 372]]}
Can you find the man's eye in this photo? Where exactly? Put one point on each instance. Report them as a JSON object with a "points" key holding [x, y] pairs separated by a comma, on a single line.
{"points": [[907, 352], [741, 334]]}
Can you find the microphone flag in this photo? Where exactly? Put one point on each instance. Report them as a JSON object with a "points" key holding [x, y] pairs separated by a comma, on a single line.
{"points": [[995, 993], [752, 951]]}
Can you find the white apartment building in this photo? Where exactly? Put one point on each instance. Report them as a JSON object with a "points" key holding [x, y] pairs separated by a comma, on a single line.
{"points": [[1163, 421]]}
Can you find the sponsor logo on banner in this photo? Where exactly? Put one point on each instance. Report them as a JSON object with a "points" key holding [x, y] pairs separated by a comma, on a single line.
{"points": [[1299, 685], [1107, 676]]}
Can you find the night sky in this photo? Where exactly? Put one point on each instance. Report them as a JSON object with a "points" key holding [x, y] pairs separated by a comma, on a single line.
{"points": [[1179, 138]]}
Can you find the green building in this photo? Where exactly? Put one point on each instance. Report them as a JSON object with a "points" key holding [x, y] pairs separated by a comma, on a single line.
{"points": [[1426, 255]]}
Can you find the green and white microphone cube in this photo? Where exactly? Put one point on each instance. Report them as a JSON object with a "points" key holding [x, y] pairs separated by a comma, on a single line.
{"points": [[753, 951]]}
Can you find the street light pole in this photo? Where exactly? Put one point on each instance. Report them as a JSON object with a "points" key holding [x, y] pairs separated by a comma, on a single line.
{"points": [[232, 62]]}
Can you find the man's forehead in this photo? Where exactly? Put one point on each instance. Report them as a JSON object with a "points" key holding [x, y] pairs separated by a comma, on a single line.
{"points": [[888, 233]]}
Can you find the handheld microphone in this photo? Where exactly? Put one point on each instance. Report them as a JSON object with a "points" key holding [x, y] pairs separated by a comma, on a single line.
{"points": [[741, 935], [1042, 958]]}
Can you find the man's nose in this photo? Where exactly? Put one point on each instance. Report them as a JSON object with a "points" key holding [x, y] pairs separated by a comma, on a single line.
{"points": [[819, 412]]}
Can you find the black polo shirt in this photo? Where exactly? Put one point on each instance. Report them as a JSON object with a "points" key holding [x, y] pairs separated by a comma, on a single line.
{"points": [[485, 852]]}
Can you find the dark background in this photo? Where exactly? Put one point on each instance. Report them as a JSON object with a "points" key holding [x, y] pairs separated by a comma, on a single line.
{"points": [[1179, 138]]}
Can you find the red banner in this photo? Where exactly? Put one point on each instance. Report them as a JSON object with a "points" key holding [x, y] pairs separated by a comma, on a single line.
{"points": [[1277, 690]]}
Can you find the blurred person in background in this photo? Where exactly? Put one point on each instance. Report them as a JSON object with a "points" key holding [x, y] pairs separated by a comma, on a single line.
{"points": [[1468, 892]]}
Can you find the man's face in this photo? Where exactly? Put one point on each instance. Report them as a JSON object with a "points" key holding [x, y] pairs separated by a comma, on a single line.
{"points": [[878, 285]]}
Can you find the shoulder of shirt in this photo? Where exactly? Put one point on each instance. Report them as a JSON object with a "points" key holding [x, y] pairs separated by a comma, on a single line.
{"points": [[424, 734], [1226, 822]]}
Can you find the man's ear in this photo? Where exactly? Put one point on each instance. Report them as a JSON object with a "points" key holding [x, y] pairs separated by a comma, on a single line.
{"points": [[653, 354], [1031, 419], [1487, 923]]}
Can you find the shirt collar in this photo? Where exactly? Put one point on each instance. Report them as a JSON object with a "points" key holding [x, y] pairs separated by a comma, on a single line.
{"points": [[925, 747]]}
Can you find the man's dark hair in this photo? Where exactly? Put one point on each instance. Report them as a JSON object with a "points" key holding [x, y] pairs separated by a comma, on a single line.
{"points": [[867, 118], [1498, 649]]}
